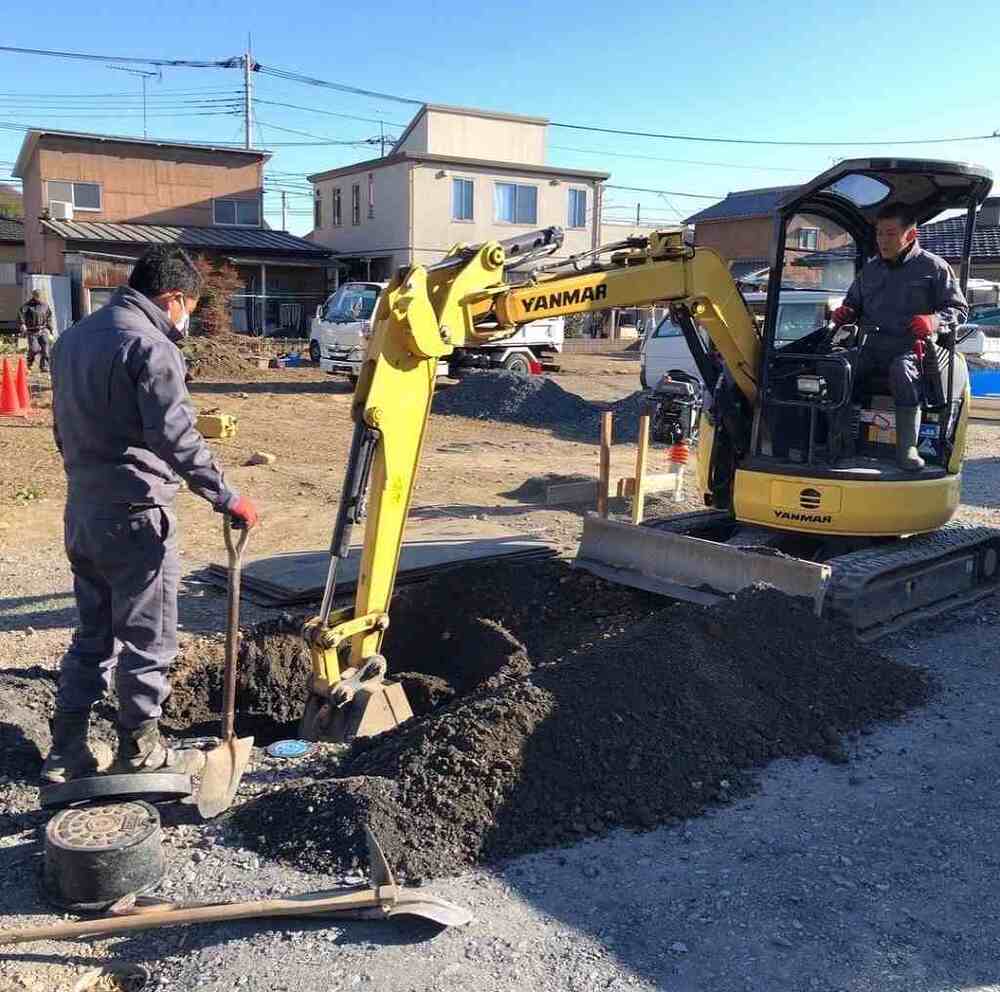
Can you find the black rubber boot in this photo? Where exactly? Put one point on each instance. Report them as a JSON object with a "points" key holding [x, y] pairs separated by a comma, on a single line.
{"points": [[70, 757], [908, 438], [141, 750]]}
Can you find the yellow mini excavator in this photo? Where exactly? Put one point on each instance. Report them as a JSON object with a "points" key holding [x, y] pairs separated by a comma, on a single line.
{"points": [[795, 449]]}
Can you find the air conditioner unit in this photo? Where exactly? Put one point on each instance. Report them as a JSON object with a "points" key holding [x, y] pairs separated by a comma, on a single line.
{"points": [[60, 210]]}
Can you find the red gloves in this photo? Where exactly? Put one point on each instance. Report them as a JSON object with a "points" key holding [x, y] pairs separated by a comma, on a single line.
{"points": [[923, 325], [842, 315], [245, 511]]}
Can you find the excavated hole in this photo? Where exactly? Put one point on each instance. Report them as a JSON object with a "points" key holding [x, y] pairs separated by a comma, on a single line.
{"points": [[446, 638]]}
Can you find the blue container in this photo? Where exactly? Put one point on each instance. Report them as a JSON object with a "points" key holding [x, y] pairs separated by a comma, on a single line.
{"points": [[984, 382]]}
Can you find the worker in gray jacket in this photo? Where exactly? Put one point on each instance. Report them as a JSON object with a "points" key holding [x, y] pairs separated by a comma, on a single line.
{"points": [[903, 295], [126, 430], [35, 320]]}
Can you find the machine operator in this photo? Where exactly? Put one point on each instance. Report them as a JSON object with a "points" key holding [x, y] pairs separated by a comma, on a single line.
{"points": [[904, 294]]}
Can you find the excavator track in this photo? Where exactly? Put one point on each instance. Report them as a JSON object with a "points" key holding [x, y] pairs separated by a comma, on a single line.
{"points": [[889, 585], [885, 588]]}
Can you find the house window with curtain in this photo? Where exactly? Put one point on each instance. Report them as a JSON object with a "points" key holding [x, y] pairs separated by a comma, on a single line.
{"points": [[808, 238], [318, 210], [371, 195], [461, 199], [237, 213], [577, 208], [513, 204], [337, 218], [356, 204]]}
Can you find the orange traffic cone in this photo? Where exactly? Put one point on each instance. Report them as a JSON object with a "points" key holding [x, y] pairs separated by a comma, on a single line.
{"points": [[23, 393], [9, 403]]}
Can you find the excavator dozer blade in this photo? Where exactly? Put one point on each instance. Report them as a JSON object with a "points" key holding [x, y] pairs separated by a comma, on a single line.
{"points": [[691, 568]]}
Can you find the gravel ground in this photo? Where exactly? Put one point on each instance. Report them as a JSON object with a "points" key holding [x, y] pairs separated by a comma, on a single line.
{"points": [[876, 874]]}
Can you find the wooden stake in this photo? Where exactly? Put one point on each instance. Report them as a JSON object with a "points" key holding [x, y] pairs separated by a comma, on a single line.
{"points": [[642, 451], [604, 474]]}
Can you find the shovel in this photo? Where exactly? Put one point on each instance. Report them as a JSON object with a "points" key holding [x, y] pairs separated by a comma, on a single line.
{"points": [[225, 764], [381, 899]]}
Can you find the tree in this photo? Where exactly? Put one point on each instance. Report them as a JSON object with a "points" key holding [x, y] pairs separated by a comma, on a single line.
{"points": [[220, 281]]}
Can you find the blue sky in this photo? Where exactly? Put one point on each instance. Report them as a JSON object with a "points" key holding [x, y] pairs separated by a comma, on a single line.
{"points": [[809, 72]]}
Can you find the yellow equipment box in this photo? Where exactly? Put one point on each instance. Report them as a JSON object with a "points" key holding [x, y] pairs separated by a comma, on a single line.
{"points": [[216, 425]]}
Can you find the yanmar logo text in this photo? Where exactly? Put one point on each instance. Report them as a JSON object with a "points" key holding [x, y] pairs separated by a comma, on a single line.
{"points": [[804, 518], [568, 297]]}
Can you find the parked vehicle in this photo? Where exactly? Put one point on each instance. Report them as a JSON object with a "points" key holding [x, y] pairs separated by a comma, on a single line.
{"points": [[799, 312], [340, 330]]}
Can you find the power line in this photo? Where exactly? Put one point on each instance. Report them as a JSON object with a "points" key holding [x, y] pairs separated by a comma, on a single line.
{"points": [[766, 141], [674, 161], [231, 63], [296, 77], [666, 192], [330, 113]]}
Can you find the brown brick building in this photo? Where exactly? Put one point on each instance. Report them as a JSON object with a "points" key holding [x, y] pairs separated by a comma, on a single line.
{"points": [[94, 203]]}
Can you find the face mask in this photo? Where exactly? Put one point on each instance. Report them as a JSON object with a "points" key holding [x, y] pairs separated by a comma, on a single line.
{"points": [[182, 325]]}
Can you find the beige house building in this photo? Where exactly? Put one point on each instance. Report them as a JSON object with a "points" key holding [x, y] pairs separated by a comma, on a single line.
{"points": [[454, 175], [12, 268]]}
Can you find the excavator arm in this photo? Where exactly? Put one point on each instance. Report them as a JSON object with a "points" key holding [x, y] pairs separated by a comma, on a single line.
{"points": [[424, 314]]}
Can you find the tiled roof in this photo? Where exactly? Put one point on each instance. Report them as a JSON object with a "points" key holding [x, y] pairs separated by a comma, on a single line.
{"points": [[743, 204], [945, 238], [234, 239], [11, 230]]}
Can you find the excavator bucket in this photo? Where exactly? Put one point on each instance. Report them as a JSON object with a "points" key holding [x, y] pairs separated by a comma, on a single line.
{"points": [[691, 568], [362, 704]]}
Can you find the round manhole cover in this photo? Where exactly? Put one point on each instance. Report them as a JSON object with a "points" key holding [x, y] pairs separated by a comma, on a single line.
{"points": [[103, 828]]}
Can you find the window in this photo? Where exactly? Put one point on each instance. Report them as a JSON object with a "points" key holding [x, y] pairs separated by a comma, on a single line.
{"points": [[83, 196], [356, 204], [350, 303], [371, 195], [668, 329], [337, 218], [318, 210], [808, 238], [515, 204], [461, 199], [577, 208], [238, 213]]}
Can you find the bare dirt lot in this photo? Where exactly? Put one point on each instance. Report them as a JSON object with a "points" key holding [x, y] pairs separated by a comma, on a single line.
{"points": [[870, 868]]}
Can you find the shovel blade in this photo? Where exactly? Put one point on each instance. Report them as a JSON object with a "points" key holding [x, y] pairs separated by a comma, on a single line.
{"points": [[224, 767]]}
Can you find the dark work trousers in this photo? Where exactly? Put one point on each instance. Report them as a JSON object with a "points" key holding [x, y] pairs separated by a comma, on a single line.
{"points": [[38, 344], [896, 358], [125, 578]]}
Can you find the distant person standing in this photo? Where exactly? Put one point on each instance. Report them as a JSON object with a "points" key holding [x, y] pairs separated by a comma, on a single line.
{"points": [[35, 318]]}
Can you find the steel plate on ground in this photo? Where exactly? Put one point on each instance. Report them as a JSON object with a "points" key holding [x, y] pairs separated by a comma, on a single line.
{"points": [[151, 786]]}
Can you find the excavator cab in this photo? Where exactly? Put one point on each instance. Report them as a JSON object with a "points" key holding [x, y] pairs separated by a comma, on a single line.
{"points": [[824, 414]]}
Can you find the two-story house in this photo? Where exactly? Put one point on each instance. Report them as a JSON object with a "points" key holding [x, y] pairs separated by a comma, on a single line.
{"points": [[455, 175], [93, 204]]}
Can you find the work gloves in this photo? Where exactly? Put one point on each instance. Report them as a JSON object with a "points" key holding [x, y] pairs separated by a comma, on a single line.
{"points": [[843, 315], [244, 510], [923, 325]]}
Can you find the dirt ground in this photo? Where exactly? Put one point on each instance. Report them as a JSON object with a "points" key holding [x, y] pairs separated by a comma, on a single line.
{"points": [[875, 874]]}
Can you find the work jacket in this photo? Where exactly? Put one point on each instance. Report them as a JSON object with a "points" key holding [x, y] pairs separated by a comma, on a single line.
{"points": [[887, 295], [36, 316], [123, 418]]}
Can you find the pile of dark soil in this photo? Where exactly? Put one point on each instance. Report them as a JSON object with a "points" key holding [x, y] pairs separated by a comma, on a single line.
{"points": [[536, 401], [220, 356], [574, 716]]}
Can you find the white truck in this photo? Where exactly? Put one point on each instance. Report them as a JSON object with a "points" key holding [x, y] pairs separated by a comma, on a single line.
{"points": [[338, 338]]}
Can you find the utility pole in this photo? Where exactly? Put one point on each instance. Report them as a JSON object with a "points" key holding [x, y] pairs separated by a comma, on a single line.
{"points": [[144, 76], [637, 215], [381, 134], [247, 95], [284, 210]]}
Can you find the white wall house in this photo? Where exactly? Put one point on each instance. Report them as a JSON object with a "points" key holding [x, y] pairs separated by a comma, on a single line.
{"points": [[454, 175]]}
